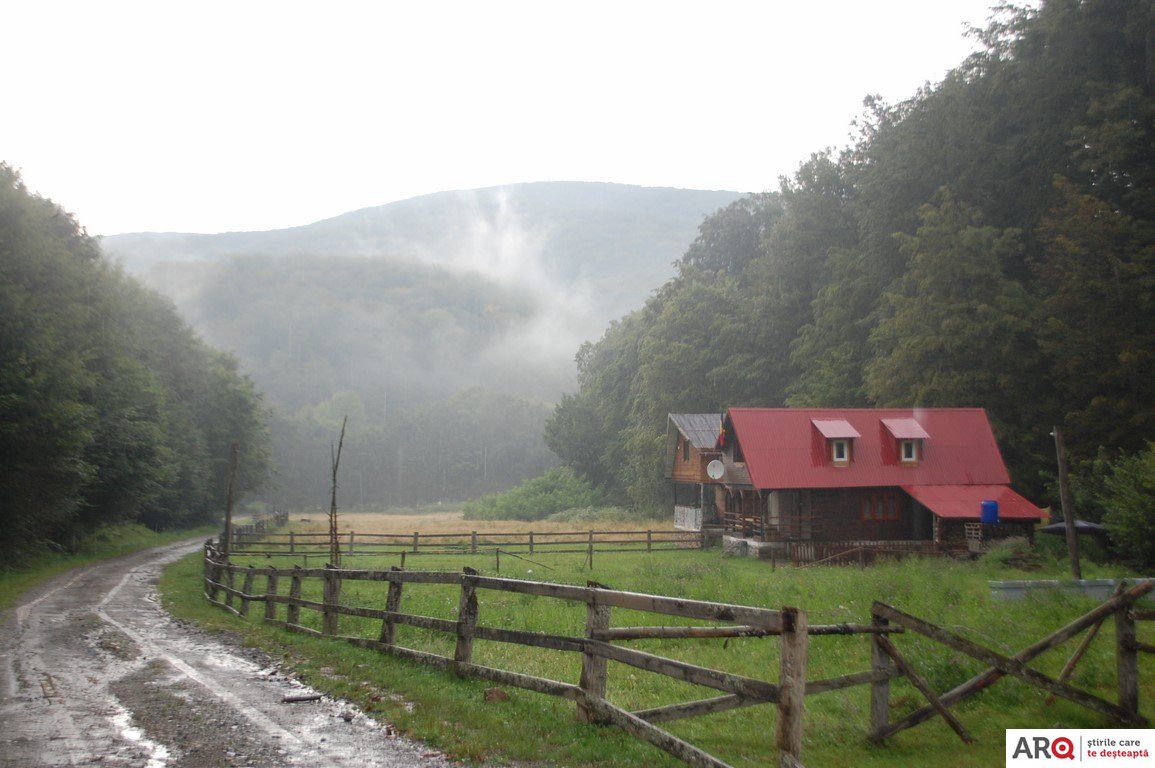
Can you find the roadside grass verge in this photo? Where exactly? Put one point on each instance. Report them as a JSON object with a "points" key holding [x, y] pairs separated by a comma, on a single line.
{"points": [[451, 714], [110, 541]]}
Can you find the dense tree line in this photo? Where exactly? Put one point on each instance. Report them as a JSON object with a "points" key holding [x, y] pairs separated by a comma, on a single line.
{"points": [[443, 401], [111, 409], [988, 242], [475, 442]]}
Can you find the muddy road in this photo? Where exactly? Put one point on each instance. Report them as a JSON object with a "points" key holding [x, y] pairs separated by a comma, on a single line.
{"points": [[94, 673]]}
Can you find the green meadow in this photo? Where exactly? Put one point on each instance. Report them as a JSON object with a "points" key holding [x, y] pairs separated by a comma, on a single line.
{"points": [[452, 714]]}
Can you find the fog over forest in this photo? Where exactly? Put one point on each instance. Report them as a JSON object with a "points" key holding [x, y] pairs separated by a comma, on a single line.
{"points": [[406, 315]]}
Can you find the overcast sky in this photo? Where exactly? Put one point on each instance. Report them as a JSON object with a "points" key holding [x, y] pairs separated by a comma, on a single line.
{"points": [[252, 114]]}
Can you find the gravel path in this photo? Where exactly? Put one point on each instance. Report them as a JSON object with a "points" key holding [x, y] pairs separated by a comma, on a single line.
{"points": [[93, 672]]}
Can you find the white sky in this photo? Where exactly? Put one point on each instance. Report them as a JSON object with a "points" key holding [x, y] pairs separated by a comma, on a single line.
{"points": [[213, 116]]}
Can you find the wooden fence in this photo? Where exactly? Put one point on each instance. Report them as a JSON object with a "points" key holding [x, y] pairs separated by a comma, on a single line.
{"points": [[597, 647], [1121, 607], [259, 526], [467, 542]]}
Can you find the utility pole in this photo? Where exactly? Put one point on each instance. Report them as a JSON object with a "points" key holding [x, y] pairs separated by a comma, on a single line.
{"points": [[1068, 505]]}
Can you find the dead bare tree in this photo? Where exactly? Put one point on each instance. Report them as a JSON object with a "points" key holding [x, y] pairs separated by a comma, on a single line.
{"points": [[334, 544]]}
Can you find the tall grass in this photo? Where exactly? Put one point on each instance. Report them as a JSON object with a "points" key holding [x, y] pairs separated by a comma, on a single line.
{"points": [[452, 714]]}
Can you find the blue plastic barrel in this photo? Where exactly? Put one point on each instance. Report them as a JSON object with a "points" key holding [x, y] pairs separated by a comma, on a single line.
{"points": [[990, 512]]}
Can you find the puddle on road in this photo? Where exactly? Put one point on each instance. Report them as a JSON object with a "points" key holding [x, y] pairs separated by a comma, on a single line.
{"points": [[157, 753]]}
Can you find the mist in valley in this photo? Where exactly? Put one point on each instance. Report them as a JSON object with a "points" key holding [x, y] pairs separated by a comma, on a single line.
{"points": [[444, 327]]}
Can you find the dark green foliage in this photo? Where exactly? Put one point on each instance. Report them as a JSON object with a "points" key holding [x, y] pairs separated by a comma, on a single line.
{"points": [[557, 490], [111, 410], [476, 442], [989, 242], [1129, 501]]}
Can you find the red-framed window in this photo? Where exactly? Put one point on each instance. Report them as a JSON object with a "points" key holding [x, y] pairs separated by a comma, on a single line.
{"points": [[880, 506]]}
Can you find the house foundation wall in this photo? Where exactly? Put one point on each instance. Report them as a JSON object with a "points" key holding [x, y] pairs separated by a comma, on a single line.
{"points": [[814, 551]]}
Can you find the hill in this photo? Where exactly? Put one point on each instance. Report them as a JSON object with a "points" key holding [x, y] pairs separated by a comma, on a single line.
{"points": [[611, 244], [445, 326]]}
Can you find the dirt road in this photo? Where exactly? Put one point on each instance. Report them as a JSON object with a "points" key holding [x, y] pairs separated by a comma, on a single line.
{"points": [[94, 673]]}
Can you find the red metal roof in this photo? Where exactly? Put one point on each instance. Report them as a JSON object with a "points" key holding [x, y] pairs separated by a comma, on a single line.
{"points": [[783, 448], [965, 501], [905, 429], [835, 428]]}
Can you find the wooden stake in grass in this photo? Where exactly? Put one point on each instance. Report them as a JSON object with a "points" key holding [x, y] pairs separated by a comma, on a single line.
{"points": [[334, 544]]}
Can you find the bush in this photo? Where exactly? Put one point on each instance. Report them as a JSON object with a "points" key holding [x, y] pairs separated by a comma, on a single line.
{"points": [[1129, 504], [557, 490]]}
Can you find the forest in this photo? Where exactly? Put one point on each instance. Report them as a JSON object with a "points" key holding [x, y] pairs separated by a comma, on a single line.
{"points": [[988, 242], [111, 409], [443, 326]]}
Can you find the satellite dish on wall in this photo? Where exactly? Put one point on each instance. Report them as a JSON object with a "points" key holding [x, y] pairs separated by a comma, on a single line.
{"points": [[715, 469]]}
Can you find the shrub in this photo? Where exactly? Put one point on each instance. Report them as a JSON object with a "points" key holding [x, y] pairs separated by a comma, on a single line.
{"points": [[557, 490], [1129, 504]]}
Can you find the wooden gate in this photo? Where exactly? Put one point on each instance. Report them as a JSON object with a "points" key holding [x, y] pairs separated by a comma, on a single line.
{"points": [[1125, 710]]}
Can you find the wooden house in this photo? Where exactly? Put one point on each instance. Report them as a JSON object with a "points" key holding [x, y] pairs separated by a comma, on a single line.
{"points": [[690, 447], [810, 483]]}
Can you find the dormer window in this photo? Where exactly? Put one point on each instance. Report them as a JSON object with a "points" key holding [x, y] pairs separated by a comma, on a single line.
{"points": [[839, 436], [908, 438]]}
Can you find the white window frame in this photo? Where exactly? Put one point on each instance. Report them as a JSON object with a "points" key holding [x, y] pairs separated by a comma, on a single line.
{"points": [[840, 446], [908, 451]]}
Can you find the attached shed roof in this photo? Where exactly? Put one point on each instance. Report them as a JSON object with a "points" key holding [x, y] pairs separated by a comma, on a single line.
{"points": [[965, 501], [783, 447], [701, 429]]}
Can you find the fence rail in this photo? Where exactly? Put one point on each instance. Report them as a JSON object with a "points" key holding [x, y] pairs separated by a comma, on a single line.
{"points": [[468, 542], [597, 647]]}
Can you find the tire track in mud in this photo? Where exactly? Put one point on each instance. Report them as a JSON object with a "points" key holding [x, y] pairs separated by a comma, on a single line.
{"points": [[93, 672]]}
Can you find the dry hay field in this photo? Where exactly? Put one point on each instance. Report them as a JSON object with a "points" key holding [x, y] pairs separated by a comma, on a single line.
{"points": [[454, 522]]}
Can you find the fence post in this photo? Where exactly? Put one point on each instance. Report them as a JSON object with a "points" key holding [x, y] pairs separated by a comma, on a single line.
{"points": [[293, 612], [473, 542], [590, 552], [332, 598], [210, 589], [880, 686], [466, 621], [649, 540], [292, 543], [531, 542], [247, 589], [350, 542], [593, 677], [1127, 659], [230, 584], [416, 538], [792, 687], [270, 593], [392, 605]]}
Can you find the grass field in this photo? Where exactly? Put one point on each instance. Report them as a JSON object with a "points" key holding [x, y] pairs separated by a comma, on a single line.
{"points": [[532, 728]]}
